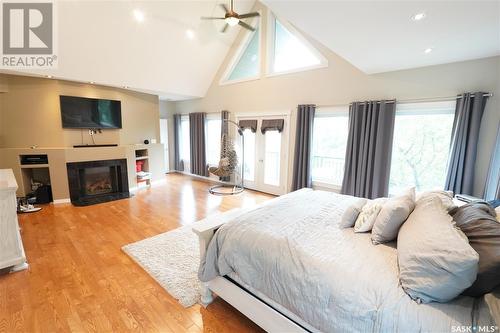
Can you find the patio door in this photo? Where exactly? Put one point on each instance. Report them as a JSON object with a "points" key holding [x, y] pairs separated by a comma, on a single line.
{"points": [[266, 154]]}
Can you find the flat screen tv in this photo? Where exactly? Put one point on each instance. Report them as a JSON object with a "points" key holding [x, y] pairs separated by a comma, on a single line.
{"points": [[81, 112]]}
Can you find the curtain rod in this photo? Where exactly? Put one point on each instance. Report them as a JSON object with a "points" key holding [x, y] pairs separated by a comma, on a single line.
{"points": [[413, 100]]}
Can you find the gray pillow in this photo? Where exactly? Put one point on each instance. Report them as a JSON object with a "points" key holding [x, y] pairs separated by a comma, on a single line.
{"points": [[351, 213], [477, 220], [436, 262], [392, 215]]}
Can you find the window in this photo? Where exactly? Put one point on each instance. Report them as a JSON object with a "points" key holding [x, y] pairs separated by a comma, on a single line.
{"points": [[249, 165], [212, 139], [290, 51], [422, 135], [331, 128], [184, 148], [246, 64], [272, 159]]}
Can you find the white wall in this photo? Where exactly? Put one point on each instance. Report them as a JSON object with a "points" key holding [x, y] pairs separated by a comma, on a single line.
{"points": [[167, 110], [342, 83]]}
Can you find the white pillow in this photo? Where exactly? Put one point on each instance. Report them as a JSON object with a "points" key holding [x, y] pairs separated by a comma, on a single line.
{"points": [[392, 215], [351, 213], [446, 198], [368, 214], [436, 262]]}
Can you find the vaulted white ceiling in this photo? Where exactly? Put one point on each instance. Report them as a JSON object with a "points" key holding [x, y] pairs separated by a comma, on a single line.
{"points": [[101, 42], [379, 36]]}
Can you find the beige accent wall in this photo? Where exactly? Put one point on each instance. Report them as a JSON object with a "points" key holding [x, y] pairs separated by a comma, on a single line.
{"points": [[30, 114], [341, 83], [1, 119]]}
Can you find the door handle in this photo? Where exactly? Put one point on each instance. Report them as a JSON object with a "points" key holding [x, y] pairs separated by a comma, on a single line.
{"points": [[261, 161]]}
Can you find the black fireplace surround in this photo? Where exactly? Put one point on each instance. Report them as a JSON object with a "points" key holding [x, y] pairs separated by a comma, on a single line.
{"points": [[94, 182]]}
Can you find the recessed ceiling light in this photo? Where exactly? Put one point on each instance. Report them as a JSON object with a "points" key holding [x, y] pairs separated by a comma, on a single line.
{"points": [[190, 34], [48, 76], [428, 50], [125, 87], [418, 16], [91, 82], [138, 15]]}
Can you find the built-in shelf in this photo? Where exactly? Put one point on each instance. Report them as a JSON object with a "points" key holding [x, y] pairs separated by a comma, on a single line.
{"points": [[142, 156], [34, 166]]}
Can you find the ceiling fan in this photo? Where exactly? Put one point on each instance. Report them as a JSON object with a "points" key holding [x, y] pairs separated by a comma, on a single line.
{"points": [[232, 18]]}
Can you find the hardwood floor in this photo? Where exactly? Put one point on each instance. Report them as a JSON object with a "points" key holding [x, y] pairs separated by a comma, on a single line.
{"points": [[79, 280]]}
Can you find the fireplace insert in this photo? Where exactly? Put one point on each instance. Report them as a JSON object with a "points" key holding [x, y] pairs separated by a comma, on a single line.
{"points": [[94, 182]]}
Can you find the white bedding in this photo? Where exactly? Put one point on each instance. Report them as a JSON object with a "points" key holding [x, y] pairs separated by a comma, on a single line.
{"points": [[292, 251]]}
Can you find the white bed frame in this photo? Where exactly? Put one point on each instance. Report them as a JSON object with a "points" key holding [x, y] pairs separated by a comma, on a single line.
{"points": [[256, 310]]}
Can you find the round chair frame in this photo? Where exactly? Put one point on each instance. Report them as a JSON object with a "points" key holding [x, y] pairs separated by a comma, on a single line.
{"points": [[233, 188]]}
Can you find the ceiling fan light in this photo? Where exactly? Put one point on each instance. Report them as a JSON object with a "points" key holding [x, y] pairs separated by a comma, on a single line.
{"points": [[232, 21]]}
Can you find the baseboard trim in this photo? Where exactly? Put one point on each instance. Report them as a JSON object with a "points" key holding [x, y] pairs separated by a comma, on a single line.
{"points": [[61, 201], [202, 178]]}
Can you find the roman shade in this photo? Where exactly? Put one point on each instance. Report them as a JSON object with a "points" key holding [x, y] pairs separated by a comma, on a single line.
{"points": [[272, 125], [369, 147], [249, 123], [464, 139], [197, 143], [178, 164]]}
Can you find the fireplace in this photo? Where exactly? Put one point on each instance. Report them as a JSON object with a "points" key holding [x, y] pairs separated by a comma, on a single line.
{"points": [[94, 182]]}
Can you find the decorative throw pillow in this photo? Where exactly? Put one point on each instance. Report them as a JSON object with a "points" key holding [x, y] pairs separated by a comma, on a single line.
{"points": [[436, 262], [351, 213], [392, 215], [477, 220], [368, 214], [446, 198]]}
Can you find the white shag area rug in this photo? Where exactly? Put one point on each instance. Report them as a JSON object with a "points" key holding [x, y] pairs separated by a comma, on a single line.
{"points": [[172, 259]]}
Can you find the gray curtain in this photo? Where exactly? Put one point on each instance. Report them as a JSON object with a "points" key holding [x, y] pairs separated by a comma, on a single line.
{"points": [[224, 128], [197, 143], [303, 147], [464, 137], [369, 147], [178, 165], [492, 188]]}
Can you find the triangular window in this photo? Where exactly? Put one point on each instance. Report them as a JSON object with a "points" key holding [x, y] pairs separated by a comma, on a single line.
{"points": [[287, 51], [292, 52], [246, 65]]}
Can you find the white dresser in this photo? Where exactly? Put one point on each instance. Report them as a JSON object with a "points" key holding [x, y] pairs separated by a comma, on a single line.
{"points": [[11, 245]]}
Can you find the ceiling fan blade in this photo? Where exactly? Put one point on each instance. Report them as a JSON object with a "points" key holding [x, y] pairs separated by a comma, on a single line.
{"points": [[211, 18], [223, 6], [253, 14], [224, 28], [246, 26]]}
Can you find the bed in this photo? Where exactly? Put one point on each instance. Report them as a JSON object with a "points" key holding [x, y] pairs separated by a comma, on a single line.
{"points": [[288, 266]]}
